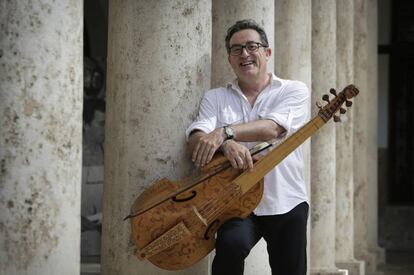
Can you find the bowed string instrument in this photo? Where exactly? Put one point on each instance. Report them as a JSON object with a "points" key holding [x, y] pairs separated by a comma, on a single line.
{"points": [[173, 223]]}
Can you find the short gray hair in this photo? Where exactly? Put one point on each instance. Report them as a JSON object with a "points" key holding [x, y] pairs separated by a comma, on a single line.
{"points": [[244, 25]]}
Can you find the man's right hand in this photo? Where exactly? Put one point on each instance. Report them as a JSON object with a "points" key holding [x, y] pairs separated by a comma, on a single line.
{"points": [[206, 146]]}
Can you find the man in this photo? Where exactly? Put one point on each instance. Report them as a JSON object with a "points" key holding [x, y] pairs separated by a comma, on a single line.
{"points": [[256, 106]]}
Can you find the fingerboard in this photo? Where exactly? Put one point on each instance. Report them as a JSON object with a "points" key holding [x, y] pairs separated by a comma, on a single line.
{"points": [[249, 178]]}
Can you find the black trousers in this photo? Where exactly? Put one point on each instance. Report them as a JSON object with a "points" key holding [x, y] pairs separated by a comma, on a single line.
{"points": [[284, 234]]}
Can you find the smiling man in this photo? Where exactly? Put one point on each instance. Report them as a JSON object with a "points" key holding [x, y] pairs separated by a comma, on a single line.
{"points": [[257, 106]]}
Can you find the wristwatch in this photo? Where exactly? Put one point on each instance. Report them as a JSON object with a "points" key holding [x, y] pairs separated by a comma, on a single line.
{"points": [[229, 132]]}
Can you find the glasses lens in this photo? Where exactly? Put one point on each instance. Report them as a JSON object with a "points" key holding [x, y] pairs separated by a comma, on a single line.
{"points": [[252, 47], [236, 50]]}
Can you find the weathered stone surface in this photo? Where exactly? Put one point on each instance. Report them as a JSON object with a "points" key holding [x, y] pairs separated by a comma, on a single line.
{"points": [[292, 52], [323, 143], [344, 230], [40, 136], [158, 68], [344, 135], [365, 138]]}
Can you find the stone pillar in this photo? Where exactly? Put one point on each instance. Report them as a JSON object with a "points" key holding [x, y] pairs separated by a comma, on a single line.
{"points": [[292, 50], [225, 14], [323, 143], [365, 139], [373, 130], [158, 68], [40, 136], [344, 144], [292, 55]]}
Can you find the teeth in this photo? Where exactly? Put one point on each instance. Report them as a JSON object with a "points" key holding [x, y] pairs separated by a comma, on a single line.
{"points": [[247, 63]]}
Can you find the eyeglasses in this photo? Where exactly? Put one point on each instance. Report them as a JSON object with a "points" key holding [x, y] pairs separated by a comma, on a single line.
{"points": [[250, 48]]}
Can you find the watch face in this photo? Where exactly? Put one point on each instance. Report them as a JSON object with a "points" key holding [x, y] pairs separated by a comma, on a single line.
{"points": [[229, 132]]}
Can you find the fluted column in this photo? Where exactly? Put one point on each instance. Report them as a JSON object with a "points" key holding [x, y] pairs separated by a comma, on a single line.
{"points": [[372, 109], [292, 55], [323, 143], [292, 50], [158, 69], [344, 144], [225, 14], [365, 139], [40, 136]]}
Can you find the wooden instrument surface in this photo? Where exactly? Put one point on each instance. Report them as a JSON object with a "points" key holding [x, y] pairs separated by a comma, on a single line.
{"points": [[215, 201]]}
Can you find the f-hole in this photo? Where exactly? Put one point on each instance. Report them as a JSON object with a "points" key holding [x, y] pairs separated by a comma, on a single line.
{"points": [[206, 234], [192, 195]]}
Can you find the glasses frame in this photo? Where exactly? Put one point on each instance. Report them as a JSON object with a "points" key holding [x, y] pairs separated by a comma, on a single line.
{"points": [[250, 43]]}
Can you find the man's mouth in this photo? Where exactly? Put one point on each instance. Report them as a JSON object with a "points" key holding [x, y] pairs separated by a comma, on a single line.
{"points": [[247, 63]]}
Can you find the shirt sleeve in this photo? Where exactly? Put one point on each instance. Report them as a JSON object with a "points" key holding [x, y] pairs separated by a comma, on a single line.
{"points": [[207, 115], [291, 109]]}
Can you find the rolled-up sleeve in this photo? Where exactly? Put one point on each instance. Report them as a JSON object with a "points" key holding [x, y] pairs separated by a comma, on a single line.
{"points": [[291, 109], [207, 116]]}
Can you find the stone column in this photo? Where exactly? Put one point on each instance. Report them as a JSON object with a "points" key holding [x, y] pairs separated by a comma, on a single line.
{"points": [[225, 14], [40, 136], [365, 139], [292, 50], [344, 144], [372, 109], [292, 54], [158, 69], [323, 143]]}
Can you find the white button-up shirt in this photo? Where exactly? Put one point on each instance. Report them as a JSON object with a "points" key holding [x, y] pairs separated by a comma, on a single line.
{"points": [[286, 102]]}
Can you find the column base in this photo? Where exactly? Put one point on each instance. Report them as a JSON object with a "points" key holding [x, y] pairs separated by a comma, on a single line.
{"points": [[380, 255], [354, 267], [370, 260], [329, 272]]}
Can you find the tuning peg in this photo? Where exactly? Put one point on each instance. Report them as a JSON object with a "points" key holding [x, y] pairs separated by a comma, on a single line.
{"points": [[348, 103], [337, 118], [342, 110], [318, 104], [326, 98], [332, 91]]}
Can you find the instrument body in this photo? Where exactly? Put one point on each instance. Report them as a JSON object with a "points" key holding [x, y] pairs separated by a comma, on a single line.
{"points": [[201, 210]]}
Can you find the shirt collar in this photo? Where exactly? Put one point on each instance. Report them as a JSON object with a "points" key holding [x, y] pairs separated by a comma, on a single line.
{"points": [[275, 83]]}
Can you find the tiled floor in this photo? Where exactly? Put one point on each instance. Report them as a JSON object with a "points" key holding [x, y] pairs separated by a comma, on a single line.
{"points": [[91, 269], [398, 264]]}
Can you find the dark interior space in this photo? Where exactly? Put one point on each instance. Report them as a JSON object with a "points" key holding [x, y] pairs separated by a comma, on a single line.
{"points": [[95, 49], [396, 162], [401, 51]]}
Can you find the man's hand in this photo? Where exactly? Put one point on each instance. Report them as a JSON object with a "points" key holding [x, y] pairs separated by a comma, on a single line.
{"points": [[203, 146], [238, 155], [206, 146]]}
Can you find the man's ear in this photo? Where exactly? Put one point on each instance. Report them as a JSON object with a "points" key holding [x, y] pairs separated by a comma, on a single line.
{"points": [[268, 53]]}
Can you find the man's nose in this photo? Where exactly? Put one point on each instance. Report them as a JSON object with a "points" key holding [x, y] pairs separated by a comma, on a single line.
{"points": [[244, 52]]}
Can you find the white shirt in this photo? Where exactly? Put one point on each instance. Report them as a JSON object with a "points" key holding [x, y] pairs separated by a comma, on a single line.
{"points": [[286, 103]]}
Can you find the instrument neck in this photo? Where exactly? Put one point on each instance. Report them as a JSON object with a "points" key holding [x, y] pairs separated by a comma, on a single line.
{"points": [[263, 166]]}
